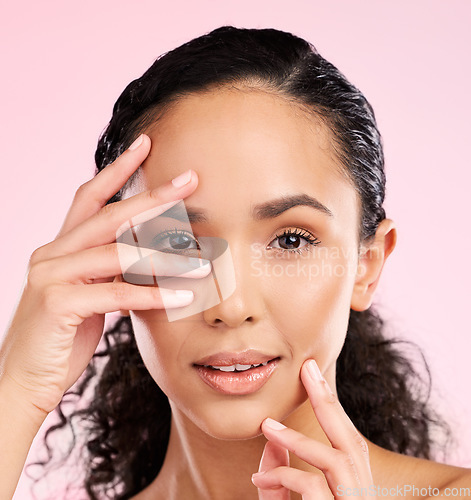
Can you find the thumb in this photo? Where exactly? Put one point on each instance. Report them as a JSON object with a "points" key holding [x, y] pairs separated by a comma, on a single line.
{"points": [[273, 456]]}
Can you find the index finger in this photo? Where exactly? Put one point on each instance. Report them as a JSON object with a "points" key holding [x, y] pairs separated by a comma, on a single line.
{"points": [[106, 225], [336, 424], [95, 193]]}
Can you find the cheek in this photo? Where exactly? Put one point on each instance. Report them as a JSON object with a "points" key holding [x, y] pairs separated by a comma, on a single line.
{"points": [[309, 301], [159, 343]]}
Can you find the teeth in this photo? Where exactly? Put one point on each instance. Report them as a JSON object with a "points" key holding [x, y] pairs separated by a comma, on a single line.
{"points": [[226, 368], [242, 368], [233, 368]]}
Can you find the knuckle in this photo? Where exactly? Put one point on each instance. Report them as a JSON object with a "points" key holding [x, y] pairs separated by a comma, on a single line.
{"points": [[347, 460], [110, 250], [82, 190], [109, 210], [361, 443], [330, 397], [315, 482], [37, 273], [155, 195], [37, 256], [341, 459], [119, 291], [156, 294], [53, 297]]}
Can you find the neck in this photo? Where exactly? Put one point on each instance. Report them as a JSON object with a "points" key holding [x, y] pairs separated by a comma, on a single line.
{"points": [[199, 466]]}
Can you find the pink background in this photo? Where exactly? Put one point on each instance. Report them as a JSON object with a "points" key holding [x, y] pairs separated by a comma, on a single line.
{"points": [[65, 63]]}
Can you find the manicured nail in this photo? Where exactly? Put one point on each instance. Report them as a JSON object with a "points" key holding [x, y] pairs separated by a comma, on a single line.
{"points": [[314, 371], [273, 424], [184, 294], [182, 179], [258, 474], [136, 143], [176, 298], [316, 375], [199, 272]]}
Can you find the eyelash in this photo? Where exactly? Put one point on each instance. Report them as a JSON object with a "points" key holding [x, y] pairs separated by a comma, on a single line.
{"points": [[173, 232], [302, 233]]}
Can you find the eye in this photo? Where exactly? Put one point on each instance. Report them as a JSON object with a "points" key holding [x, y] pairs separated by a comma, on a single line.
{"points": [[176, 242], [291, 241]]}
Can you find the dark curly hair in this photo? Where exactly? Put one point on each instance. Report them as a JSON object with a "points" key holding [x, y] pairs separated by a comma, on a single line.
{"points": [[127, 416]]}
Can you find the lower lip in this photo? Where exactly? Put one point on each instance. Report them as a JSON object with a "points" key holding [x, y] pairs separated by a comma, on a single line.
{"points": [[237, 383]]}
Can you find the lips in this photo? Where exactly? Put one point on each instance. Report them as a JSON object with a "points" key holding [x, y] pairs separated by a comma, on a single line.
{"points": [[248, 357], [240, 377]]}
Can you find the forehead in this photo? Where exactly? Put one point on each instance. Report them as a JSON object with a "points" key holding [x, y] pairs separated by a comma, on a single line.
{"points": [[246, 147]]}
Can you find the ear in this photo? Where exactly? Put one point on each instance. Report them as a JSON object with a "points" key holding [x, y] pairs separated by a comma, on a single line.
{"points": [[372, 258], [119, 278]]}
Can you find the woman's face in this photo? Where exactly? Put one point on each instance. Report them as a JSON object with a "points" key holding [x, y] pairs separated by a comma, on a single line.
{"points": [[250, 148]]}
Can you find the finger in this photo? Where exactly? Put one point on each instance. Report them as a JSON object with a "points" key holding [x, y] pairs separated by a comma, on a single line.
{"points": [[111, 260], [310, 485], [336, 424], [102, 227], [338, 466], [95, 193], [83, 301], [274, 456]]}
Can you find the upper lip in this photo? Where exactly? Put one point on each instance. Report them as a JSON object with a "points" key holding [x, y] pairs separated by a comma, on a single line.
{"points": [[249, 357]]}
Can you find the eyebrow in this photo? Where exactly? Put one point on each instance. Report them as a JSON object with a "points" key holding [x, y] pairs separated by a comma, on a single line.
{"points": [[274, 208], [267, 210]]}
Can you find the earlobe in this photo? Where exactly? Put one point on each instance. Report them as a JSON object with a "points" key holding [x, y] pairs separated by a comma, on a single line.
{"points": [[119, 278], [370, 265]]}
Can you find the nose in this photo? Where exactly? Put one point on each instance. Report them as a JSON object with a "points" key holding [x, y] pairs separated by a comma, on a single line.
{"points": [[246, 304]]}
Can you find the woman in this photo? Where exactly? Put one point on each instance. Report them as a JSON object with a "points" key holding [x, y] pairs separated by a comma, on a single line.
{"points": [[274, 152]]}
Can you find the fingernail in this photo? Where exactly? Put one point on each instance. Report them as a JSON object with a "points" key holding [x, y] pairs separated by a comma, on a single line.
{"points": [[314, 371], [316, 375], [199, 272], [136, 143], [273, 424], [182, 179], [184, 294], [176, 298], [258, 474]]}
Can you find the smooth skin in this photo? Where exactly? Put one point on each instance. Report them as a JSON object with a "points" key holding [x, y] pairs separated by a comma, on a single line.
{"points": [[248, 147], [216, 444]]}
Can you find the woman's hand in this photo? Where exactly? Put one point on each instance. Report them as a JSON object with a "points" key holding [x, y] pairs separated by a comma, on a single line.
{"points": [[70, 284], [344, 465]]}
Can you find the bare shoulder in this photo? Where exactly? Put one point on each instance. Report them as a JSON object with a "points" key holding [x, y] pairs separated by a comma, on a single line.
{"points": [[393, 470]]}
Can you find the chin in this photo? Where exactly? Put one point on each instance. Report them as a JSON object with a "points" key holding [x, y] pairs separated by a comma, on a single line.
{"points": [[240, 417], [230, 430]]}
